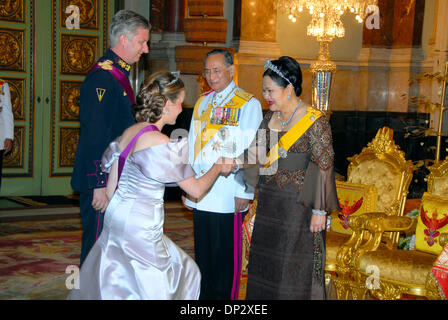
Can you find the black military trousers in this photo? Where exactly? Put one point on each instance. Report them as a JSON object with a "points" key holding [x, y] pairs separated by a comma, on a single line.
{"points": [[92, 223], [213, 246]]}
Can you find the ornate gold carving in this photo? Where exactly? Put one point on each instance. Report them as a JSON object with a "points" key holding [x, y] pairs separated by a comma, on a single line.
{"points": [[387, 291], [433, 290], [78, 53], [68, 140], [12, 10], [12, 49], [88, 13], [14, 159], [69, 105], [17, 90], [383, 150]]}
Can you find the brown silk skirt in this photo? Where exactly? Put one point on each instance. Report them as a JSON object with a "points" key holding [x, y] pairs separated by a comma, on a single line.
{"points": [[286, 261]]}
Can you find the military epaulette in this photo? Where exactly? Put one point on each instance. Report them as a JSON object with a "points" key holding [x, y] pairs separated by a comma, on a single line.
{"points": [[243, 94], [106, 64]]}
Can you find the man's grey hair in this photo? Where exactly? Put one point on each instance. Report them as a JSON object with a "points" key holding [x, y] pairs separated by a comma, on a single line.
{"points": [[126, 22], [228, 57]]}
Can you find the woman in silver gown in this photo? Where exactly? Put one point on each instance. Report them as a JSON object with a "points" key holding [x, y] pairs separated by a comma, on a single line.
{"points": [[132, 258]]}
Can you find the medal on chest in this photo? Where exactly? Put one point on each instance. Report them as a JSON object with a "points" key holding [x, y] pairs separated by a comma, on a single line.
{"points": [[227, 115]]}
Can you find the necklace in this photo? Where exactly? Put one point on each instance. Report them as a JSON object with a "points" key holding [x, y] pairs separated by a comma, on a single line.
{"points": [[285, 123]]}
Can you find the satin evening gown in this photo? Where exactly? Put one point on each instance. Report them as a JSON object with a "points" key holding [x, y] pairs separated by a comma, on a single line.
{"points": [[132, 258]]}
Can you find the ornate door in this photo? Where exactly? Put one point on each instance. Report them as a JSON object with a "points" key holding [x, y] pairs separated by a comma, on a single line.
{"points": [[46, 49]]}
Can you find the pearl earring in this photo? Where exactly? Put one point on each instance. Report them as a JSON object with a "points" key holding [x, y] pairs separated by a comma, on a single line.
{"points": [[167, 112], [289, 97]]}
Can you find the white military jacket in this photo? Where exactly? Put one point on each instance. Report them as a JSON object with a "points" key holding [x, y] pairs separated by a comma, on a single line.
{"points": [[6, 115], [229, 141]]}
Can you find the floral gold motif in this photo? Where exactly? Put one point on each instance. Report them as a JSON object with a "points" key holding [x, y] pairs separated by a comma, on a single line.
{"points": [[68, 140], [14, 159], [70, 93], [78, 53], [12, 10], [16, 89], [12, 49]]}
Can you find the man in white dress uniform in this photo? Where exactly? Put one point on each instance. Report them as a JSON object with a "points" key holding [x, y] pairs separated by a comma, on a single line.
{"points": [[224, 123], [6, 123]]}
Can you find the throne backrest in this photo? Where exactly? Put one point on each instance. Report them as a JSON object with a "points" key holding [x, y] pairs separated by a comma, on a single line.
{"points": [[438, 178], [383, 165]]}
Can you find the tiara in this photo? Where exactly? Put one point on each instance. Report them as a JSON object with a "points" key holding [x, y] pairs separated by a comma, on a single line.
{"points": [[176, 75], [269, 65]]}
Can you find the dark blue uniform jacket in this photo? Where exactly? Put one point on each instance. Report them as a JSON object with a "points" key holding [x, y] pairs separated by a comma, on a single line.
{"points": [[105, 112]]}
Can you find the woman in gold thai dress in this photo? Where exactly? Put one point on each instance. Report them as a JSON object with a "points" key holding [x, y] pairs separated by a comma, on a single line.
{"points": [[296, 190]]}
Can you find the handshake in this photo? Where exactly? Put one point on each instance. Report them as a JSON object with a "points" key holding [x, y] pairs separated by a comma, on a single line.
{"points": [[227, 165]]}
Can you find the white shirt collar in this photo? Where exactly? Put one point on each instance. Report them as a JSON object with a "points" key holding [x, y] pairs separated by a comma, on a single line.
{"points": [[219, 96]]}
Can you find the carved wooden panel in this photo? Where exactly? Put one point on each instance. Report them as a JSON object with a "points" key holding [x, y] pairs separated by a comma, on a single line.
{"points": [[14, 159], [68, 141], [12, 49], [18, 92], [88, 13], [69, 100], [78, 53], [12, 10]]}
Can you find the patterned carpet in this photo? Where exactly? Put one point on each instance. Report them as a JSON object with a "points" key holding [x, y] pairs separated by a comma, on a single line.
{"points": [[35, 254]]}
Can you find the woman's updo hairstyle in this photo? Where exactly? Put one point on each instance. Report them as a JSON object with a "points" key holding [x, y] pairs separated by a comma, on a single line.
{"points": [[154, 93], [289, 70]]}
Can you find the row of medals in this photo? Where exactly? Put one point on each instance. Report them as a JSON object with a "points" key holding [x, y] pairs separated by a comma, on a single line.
{"points": [[226, 116]]}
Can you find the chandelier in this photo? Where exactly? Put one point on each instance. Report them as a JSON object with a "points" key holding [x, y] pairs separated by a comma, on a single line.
{"points": [[326, 15], [325, 25]]}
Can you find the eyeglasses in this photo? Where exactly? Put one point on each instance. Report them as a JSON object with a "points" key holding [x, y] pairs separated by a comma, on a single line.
{"points": [[208, 72]]}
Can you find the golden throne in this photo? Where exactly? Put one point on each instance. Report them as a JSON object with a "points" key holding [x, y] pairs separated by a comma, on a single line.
{"points": [[398, 272], [381, 176]]}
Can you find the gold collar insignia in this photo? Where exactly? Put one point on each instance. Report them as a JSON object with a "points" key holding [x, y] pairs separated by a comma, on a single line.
{"points": [[124, 65]]}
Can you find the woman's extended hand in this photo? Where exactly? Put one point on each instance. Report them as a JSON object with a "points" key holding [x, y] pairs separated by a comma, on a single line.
{"points": [[318, 223]]}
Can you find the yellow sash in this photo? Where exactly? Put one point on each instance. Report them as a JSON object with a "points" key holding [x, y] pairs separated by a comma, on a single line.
{"points": [[293, 134], [210, 129]]}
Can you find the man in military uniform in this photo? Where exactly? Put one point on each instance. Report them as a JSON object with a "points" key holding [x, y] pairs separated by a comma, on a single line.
{"points": [[6, 123], [105, 112], [224, 123]]}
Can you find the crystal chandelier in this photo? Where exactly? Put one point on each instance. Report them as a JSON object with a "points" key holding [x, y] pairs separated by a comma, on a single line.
{"points": [[325, 25], [326, 15]]}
